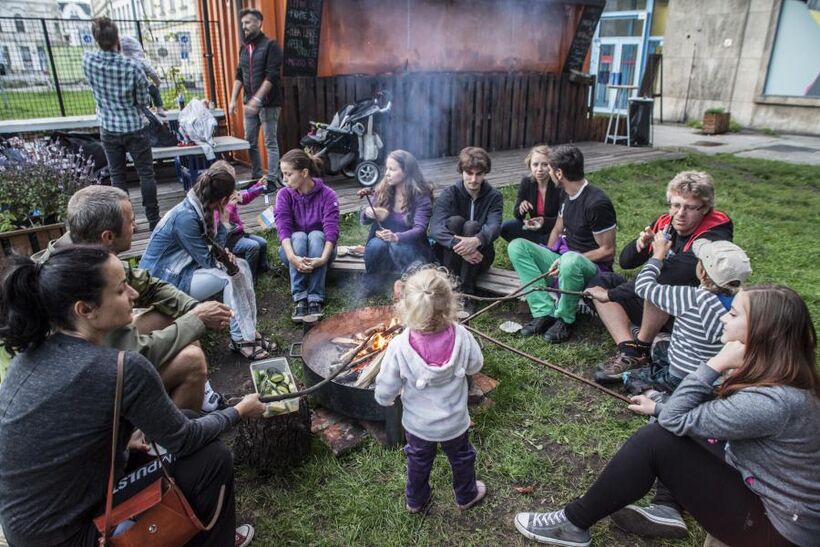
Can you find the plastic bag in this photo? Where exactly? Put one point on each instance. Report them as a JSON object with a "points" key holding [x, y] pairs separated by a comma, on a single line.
{"points": [[240, 291], [197, 124]]}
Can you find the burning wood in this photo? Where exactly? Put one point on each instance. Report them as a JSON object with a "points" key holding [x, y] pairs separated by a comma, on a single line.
{"points": [[366, 362]]}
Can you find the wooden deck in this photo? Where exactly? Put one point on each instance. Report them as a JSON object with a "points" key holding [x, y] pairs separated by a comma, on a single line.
{"points": [[507, 169]]}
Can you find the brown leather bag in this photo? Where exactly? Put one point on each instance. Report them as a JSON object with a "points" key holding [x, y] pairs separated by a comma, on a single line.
{"points": [[162, 514]]}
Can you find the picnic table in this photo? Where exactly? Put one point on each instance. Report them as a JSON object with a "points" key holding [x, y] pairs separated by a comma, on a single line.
{"points": [[70, 123]]}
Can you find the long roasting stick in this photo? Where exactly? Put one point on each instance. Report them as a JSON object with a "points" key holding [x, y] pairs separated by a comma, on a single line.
{"points": [[556, 368]]}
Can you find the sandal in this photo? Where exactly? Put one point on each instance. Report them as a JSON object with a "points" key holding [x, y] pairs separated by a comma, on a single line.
{"points": [[250, 350], [267, 345]]}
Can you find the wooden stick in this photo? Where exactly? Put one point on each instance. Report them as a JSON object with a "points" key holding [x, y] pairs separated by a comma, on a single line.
{"points": [[497, 302], [556, 368]]}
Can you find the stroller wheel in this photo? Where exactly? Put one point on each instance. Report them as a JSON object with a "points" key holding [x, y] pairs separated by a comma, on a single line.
{"points": [[367, 173]]}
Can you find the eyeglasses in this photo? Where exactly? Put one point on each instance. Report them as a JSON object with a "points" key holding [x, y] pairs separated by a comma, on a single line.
{"points": [[687, 208]]}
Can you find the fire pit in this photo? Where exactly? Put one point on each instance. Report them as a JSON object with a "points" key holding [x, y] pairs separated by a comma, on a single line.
{"points": [[320, 353]]}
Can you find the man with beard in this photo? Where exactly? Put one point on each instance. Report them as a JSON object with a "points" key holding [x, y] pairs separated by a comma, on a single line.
{"points": [[257, 74], [581, 244]]}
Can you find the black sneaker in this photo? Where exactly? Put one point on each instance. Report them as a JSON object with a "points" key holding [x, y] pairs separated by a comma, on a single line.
{"points": [[559, 332], [552, 528], [655, 521], [539, 325], [299, 311], [315, 309]]}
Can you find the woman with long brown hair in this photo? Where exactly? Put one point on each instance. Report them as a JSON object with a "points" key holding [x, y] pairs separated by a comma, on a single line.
{"points": [[742, 458], [398, 219], [538, 198], [181, 251]]}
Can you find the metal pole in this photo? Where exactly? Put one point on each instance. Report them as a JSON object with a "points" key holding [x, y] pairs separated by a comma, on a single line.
{"points": [[209, 54], [139, 33], [53, 68], [556, 368]]}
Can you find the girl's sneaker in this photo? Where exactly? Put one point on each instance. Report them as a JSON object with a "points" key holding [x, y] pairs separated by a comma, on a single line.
{"points": [[243, 535], [482, 491]]}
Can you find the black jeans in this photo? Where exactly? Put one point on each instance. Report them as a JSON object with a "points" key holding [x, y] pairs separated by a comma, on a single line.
{"points": [[466, 272], [514, 228], [696, 474], [116, 145]]}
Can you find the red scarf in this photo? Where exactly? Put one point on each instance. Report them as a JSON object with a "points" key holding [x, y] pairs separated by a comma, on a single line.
{"points": [[712, 219]]}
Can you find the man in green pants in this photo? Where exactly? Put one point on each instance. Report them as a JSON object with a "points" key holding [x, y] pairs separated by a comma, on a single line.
{"points": [[581, 243]]}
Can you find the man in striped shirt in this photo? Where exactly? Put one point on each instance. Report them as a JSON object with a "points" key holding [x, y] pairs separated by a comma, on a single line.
{"points": [[120, 89]]}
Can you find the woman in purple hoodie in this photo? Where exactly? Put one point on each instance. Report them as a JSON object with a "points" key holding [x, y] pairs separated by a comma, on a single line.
{"points": [[307, 220]]}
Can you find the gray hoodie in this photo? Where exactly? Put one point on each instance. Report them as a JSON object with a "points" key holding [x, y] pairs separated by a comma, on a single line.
{"points": [[434, 398], [773, 440]]}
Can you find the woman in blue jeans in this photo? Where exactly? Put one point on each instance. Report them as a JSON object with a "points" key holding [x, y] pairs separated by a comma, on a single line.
{"points": [[180, 252], [307, 221], [402, 205]]}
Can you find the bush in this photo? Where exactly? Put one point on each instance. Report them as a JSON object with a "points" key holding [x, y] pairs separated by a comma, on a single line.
{"points": [[715, 110], [37, 178]]}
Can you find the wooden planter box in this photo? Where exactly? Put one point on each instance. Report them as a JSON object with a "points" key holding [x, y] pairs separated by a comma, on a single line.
{"points": [[30, 240], [715, 123]]}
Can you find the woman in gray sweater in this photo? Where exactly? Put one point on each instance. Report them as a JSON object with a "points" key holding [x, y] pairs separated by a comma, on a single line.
{"points": [[56, 408], [742, 458]]}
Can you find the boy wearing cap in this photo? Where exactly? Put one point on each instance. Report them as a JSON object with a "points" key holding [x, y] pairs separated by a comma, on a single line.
{"points": [[722, 267]]}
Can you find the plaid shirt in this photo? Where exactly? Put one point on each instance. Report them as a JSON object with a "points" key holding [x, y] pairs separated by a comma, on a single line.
{"points": [[120, 89]]}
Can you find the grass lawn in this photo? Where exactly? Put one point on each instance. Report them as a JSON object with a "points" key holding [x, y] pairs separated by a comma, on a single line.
{"points": [[545, 431]]}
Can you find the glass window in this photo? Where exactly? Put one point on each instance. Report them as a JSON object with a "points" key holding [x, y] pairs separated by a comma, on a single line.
{"points": [[621, 27], [19, 24], [792, 71], [625, 5], [25, 54]]}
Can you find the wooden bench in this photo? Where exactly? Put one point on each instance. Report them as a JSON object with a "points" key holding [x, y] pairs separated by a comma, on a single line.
{"points": [[494, 281]]}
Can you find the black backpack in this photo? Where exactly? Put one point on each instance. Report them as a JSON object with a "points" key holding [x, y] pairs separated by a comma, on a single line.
{"points": [[158, 133]]}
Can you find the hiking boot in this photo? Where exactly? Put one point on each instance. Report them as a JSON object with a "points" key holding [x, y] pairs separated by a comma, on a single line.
{"points": [[656, 521], [315, 309], [300, 310], [552, 528], [559, 332], [243, 535], [538, 325], [611, 372]]}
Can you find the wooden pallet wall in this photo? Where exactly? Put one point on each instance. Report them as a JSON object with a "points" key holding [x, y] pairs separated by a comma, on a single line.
{"points": [[439, 113]]}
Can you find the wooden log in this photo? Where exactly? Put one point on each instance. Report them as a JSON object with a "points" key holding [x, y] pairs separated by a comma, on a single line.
{"points": [[271, 445]]}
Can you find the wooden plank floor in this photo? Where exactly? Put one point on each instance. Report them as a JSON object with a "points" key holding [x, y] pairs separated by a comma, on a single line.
{"points": [[507, 169]]}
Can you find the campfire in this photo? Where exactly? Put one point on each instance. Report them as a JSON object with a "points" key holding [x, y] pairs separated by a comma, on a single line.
{"points": [[366, 361]]}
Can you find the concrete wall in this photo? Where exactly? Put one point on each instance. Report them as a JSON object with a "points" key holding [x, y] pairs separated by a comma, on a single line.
{"points": [[716, 54]]}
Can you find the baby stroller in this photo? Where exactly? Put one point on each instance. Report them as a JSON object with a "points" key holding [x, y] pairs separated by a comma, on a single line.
{"points": [[348, 144]]}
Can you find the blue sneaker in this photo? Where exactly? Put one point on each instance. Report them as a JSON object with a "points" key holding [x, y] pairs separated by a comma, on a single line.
{"points": [[655, 521], [552, 528]]}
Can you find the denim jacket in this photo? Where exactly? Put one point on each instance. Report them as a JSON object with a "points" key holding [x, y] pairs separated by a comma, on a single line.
{"points": [[177, 247]]}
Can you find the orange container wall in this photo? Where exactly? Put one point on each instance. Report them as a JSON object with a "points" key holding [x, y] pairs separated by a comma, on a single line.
{"points": [[375, 37]]}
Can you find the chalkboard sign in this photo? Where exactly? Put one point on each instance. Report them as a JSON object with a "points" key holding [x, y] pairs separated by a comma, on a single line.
{"points": [[303, 20], [583, 38]]}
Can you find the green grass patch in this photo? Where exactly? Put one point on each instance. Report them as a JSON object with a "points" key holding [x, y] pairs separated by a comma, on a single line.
{"points": [[544, 431]]}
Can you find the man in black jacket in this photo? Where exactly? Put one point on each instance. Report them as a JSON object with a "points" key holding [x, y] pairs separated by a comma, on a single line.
{"points": [[691, 197], [260, 60], [467, 220]]}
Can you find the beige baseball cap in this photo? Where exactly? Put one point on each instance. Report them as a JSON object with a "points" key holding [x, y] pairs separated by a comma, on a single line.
{"points": [[723, 261]]}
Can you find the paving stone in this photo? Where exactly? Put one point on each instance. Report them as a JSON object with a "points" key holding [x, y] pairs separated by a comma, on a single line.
{"points": [[484, 382]]}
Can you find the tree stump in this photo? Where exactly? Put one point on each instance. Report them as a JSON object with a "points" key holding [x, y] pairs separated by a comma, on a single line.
{"points": [[274, 444]]}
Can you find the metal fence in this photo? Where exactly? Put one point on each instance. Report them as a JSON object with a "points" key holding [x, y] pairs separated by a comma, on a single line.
{"points": [[41, 71]]}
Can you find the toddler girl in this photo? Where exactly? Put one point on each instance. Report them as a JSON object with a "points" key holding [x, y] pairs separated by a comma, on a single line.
{"points": [[427, 364]]}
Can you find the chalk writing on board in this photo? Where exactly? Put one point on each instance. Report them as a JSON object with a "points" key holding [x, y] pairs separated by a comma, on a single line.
{"points": [[583, 38], [303, 20]]}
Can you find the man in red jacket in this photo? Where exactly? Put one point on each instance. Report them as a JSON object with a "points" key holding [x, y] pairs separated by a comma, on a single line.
{"points": [[691, 216]]}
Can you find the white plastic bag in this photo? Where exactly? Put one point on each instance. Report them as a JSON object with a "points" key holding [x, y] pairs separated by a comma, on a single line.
{"points": [[197, 124], [240, 292]]}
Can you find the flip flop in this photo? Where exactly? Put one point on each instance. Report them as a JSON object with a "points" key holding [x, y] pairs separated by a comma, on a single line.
{"points": [[267, 345]]}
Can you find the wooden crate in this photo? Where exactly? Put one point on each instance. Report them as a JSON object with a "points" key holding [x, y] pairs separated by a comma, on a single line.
{"points": [[30, 240]]}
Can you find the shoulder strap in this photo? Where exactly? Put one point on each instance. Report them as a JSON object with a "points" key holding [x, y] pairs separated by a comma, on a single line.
{"points": [[109, 497]]}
